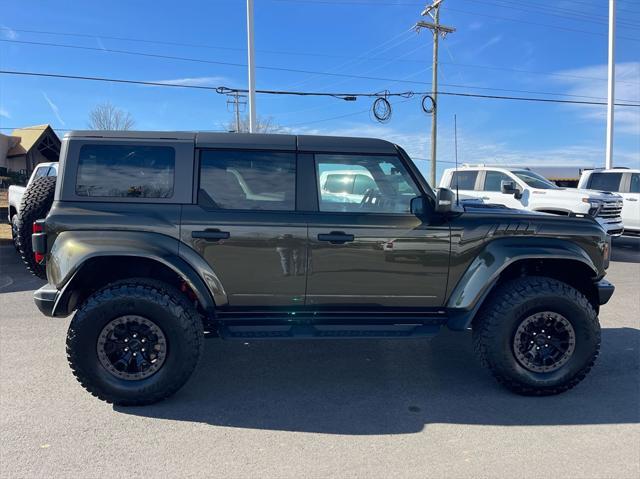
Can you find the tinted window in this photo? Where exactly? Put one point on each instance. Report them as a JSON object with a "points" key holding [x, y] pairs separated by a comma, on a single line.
{"points": [[378, 184], [493, 180], [605, 181], [635, 183], [464, 180], [247, 180], [130, 171]]}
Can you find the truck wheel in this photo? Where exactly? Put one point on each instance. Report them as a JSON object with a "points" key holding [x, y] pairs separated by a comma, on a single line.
{"points": [[135, 342], [538, 336], [35, 205]]}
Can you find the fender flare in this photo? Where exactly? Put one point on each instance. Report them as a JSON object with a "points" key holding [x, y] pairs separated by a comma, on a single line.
{"points": [[481, 275], [73, 249]]}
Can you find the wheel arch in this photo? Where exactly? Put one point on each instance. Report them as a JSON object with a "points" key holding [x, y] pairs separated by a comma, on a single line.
{"points": [[498, 263]]}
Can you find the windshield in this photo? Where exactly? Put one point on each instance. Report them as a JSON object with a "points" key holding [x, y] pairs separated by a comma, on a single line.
{"points": [[534, 180]]}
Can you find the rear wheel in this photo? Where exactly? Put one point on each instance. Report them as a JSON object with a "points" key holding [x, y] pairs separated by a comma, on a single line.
{"points": [[135, 342], [537, 336], [35, 205]]}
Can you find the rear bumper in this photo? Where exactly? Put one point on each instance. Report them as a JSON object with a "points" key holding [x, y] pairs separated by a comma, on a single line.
{"points": [[605, 291], [46, 299]]}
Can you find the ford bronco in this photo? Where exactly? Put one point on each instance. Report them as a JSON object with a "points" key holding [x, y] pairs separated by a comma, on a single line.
{"points": [[157, 240]]}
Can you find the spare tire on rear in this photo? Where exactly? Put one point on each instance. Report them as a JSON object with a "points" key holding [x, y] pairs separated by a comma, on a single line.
{"points": [[35, 205]]}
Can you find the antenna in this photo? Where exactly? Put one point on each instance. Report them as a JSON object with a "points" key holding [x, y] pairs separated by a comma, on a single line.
{"points": [[455, 141]]}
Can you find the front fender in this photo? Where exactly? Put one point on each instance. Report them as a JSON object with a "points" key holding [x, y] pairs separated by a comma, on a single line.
{"points": [[72, 249], [482, 274]]}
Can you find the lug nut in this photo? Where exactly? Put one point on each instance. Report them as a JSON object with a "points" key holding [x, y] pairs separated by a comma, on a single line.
{"points": [[126, 349], [143, 350], [144, 340], [135, 335], [126, 340], [135, 354]]}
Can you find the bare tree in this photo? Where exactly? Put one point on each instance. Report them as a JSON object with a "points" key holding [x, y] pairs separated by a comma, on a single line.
{"points": [[106, 116], [263, 125]]}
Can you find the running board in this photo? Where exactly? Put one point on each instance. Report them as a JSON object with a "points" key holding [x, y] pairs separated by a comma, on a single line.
{"points": [[327, 331]]}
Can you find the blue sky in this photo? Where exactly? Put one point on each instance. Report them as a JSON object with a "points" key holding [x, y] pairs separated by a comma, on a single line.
{"points": [[503, 47]]}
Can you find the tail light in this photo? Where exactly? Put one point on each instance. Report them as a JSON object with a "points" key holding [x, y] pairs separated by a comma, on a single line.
{"points": [[38, 241]]}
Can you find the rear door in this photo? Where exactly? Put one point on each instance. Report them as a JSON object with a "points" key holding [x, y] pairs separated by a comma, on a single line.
{"points": [[464, 182], [366, 249], [631, 205], [244, 224]]}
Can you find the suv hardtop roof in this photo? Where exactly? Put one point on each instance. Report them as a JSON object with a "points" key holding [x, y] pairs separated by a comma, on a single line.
{"points": [[336, 144]]}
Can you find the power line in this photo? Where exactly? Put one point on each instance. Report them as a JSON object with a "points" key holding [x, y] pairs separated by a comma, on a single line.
{"points": [[305, 54], [224, 90], [293, 70], [466, 12]]}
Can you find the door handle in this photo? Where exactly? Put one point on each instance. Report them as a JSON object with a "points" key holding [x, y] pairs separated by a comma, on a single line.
{"points": [[336, 237], [485, 198], [631, 199], [210, 235]]}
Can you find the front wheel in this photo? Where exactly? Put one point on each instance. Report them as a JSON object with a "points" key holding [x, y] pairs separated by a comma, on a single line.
{"points": [[537, 335], [134, 342]]}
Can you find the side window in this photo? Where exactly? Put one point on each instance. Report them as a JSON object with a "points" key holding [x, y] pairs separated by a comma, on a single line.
{"points": [[42, 171], [493, 180], [247, 180], [52, 171], [374, 184], [464, 180], [634, 187], [127, 171], [605, 181]]}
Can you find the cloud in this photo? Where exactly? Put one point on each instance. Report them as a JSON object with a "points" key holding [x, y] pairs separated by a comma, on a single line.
{"points": [[8, 33], [196, 81], [4, 113], [591, 81], [492, 41], [476, 25], [54, 108]]}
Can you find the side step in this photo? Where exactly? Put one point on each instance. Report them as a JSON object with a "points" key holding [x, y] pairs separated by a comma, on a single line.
{"points": [[327, 331]]}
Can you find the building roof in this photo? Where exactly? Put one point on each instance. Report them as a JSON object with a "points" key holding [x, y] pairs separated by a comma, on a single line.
{"points": [[29, 137]]}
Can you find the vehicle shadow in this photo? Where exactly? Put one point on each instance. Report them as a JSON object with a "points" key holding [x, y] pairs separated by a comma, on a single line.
{"points": [[14, 275], [625, 249], [388, 387]]}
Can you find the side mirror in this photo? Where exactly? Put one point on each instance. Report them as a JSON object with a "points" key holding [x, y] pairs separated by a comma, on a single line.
{"points": [[510, 188], [446, 202], [419, 206]]}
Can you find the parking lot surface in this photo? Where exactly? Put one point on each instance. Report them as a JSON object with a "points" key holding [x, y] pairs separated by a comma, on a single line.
{"points": [[410, 408]]}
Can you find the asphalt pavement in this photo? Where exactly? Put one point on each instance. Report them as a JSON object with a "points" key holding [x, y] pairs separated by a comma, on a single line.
{"points": [[374, 409]]}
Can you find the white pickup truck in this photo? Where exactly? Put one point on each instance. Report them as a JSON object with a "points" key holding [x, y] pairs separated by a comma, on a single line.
{"points": [[624, 181], [524, 189], [16, 192]]}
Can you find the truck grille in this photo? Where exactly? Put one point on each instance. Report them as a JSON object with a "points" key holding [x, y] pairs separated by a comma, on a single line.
{"points": [[610, 210]]}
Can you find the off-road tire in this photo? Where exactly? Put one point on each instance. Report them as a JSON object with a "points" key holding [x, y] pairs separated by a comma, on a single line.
{"points": [[35, 205], [168, 308], [14, 231], [496, 323]]}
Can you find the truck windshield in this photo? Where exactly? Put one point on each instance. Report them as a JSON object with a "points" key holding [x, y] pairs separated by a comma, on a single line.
{"points": [[534, 180]]}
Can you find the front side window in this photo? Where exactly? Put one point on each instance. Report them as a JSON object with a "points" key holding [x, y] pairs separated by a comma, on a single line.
{"points": [[493, 180], [464, 180], [534, 180], [605, 181], [126, 171], [247, 180], [361, 183]]}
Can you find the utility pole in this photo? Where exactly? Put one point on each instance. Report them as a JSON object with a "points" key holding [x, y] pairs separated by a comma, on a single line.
{"points": [[611, 84], [237, 100], [438, 30], [252, 68]]}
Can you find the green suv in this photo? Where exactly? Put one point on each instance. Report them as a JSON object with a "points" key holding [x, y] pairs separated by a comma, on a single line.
{"points": [[157, 240]]}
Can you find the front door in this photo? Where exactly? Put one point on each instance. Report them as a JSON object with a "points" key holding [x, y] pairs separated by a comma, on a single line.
{"points": [[245, 226], [365, 247], [492, 190]]}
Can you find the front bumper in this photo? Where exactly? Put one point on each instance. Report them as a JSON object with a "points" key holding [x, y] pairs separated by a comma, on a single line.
{"points": [[46, 299], [605, 291]]}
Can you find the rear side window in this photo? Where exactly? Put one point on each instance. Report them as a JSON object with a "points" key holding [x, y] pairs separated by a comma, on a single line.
{"points": [[464, 180], [126, 171], [247, 180], [634, 187], [493, 180], [605, 181]]}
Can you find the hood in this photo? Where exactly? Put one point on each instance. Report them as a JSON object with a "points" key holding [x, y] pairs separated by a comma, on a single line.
{"points": [[579, 193]]}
